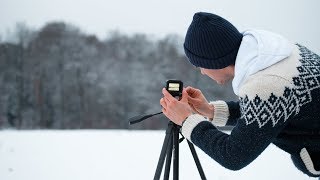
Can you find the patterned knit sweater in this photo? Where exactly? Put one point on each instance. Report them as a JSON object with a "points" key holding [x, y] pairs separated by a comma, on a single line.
{"points": [[279, 105]]}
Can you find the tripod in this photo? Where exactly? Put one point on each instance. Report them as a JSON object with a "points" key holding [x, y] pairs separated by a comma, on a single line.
{"points": [[171, 145]]}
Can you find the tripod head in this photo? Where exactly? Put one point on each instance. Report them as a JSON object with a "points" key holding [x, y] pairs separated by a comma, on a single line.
{"points": [[174, 87]]}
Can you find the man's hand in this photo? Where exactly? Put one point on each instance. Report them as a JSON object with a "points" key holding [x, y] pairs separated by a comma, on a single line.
{"points": [[199, 103], [176, 111]]}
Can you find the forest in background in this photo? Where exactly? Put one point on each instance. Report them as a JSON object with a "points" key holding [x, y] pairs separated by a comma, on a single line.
{"points": [[58, 77]]}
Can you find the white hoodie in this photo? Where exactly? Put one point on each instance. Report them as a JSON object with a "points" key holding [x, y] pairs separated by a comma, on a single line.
{"points": [[259, 49]]}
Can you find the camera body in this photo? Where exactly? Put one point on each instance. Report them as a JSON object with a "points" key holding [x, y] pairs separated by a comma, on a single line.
{"points": [[174, 87]]}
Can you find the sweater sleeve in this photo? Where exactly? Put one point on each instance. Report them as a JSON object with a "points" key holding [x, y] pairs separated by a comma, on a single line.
{"points": [[225, 113], [264, 111]]}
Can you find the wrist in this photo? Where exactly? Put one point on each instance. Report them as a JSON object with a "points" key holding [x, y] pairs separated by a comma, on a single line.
{"points": [[184, 120], [211, 111]]}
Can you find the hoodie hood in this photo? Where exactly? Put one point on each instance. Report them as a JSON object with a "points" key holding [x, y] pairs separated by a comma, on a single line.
{"points": [[259, 49]]}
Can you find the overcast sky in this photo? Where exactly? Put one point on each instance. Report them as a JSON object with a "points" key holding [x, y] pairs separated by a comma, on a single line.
{"points": [[298, 20]]}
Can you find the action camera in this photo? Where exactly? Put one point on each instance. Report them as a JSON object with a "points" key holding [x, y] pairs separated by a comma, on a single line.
{"points": [[174, 87]]}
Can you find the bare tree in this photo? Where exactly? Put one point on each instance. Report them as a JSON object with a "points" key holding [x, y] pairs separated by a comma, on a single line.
{"points": [[58, 77]]}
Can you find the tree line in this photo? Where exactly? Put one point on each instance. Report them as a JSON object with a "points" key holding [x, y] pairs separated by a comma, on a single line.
{"points": [[58, 77]]}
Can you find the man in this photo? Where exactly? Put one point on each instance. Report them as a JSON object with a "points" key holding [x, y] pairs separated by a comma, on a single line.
{"points": [[278, 84]]}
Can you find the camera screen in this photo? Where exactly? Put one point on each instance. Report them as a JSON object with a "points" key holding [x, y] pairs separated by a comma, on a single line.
{"points": [[174, 87]]}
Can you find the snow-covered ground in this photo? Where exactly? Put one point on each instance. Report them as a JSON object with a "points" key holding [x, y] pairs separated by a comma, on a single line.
{"points": [[118, 154]]}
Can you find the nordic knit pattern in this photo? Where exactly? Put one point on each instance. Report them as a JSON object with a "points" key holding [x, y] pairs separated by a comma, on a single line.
{"points": [[277, 105]]}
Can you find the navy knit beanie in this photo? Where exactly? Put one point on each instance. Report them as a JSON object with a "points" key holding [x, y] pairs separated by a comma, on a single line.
{"points": [[211, 42]]}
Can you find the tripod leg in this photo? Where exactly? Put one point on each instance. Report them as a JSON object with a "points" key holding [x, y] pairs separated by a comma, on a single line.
{"points": [[196, 160], [175, 152], [163, 152], [168, 160]]}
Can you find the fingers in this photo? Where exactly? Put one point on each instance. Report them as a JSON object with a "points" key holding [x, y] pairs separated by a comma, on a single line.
{"points": [[168, 96], [166, 104], [189, 89], [192, 100], [169, 100], [164, 111], [163, 103], [192, 91], [185, 96]]}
